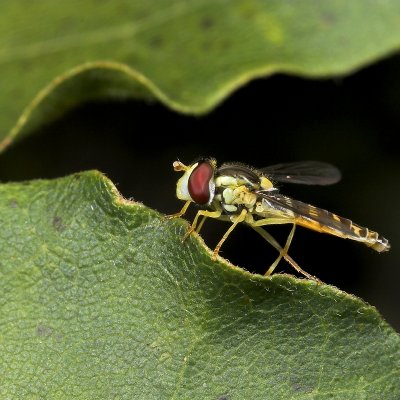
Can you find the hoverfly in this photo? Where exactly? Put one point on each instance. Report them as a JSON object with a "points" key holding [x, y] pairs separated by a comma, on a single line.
{"points": [[238, 193]]}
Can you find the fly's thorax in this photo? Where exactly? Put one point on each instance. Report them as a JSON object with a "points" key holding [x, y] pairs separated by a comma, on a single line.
{"points": [[230, 181], [237, 174], [233, 199]]}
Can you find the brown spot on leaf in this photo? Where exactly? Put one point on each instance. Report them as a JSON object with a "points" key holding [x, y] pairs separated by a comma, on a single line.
{"points": [[207, 23], [299, 387], [156, 42], [58, 223], [44, 330], [328, 19], [224, 397], [13, 203]]}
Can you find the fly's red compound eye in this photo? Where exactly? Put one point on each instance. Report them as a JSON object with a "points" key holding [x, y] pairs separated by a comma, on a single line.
{"points": [[198, 184]]}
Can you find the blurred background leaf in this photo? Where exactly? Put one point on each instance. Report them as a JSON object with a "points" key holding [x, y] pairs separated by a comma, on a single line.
{"points": [[101, 299], [190, 54]]}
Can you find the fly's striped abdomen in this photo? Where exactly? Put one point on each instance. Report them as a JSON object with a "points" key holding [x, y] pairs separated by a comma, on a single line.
{"points": [[345, 228], [324, 221], [378, 242]]}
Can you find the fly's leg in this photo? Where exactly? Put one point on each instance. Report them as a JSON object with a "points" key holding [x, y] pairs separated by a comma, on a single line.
{"points": [[205, 213], [289, 259], [240, 218], [271, 221], [180, 213], [256, 225], [283, 253], [201, 224]]}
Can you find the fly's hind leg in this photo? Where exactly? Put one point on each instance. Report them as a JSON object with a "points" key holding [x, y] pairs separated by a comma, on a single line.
{"points": [[282, 251]]}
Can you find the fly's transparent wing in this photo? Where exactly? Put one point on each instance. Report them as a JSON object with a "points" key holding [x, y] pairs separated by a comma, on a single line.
{"points": [[303, 172]]}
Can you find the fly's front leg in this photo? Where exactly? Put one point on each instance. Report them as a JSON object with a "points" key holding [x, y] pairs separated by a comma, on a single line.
{"points": [[240, 218], [201, 224], [205, 213], [180, 213]]}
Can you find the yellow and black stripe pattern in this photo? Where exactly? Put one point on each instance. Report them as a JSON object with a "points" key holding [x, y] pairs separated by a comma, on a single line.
{"points": [[321, 220]]}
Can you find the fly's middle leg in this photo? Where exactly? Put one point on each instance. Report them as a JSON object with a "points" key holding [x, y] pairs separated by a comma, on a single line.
{"points": [[237, 220]]}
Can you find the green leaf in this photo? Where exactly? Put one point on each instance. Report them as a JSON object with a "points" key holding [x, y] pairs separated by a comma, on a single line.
{"points": [[189, 55], [100, 299]]}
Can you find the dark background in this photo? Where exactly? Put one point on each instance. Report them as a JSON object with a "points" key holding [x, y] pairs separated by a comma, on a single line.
{"points": [[352, 122]]}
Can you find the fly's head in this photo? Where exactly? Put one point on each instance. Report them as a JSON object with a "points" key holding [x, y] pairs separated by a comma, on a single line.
{"points": [[197, 183]]}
